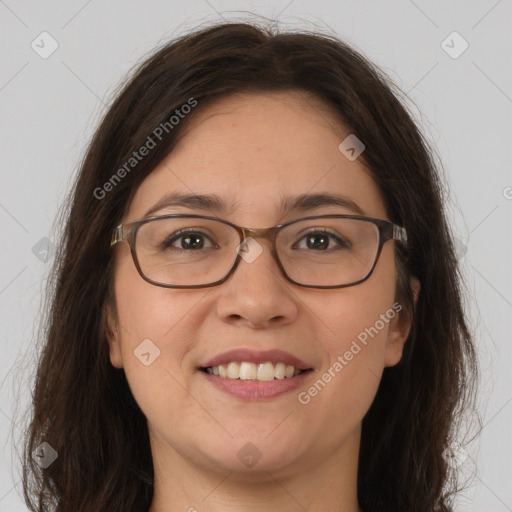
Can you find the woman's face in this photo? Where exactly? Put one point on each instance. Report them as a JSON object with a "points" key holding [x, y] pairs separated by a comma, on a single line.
{"points": [[252, 151]]}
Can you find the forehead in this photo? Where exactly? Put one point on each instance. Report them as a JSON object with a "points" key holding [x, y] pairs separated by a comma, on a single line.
{"points": [[255, 150]]}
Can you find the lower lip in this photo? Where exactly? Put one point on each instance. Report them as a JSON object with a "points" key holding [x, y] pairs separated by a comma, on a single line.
{"points": [[254, 390]]}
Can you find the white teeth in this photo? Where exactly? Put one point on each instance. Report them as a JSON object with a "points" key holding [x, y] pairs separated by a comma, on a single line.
{"points": [[280, 371], [266, 371], [251, 371], [247, 371], [233, 370]]}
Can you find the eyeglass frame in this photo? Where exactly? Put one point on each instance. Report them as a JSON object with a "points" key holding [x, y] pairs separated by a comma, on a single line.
{"points": [[127, 232]]}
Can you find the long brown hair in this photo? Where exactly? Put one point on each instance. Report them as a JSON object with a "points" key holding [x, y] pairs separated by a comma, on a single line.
{"points": [[82, 405]]}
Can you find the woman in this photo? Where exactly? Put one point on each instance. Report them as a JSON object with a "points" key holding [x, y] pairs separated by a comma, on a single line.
{"points": [[196, 360]]}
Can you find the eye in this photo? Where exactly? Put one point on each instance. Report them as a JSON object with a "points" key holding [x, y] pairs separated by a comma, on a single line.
{"points": [[323, 240], [187, 239]]}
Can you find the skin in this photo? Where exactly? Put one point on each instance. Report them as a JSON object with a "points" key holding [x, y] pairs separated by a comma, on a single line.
{"points": [[244, 148]]}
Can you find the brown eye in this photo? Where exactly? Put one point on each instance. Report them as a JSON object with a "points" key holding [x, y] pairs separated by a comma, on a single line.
{"points": [[318, 241], [323, 240], [192, 240]]}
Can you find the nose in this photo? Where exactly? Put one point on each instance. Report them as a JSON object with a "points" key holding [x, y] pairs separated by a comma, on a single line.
{"points": [[257, 294]]}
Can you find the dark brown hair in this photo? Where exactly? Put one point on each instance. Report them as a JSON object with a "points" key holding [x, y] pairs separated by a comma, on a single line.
{"points": [[82, 405]]}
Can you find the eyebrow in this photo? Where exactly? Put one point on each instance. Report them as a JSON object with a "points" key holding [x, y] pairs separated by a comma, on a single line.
{"points": [[214, 203]]}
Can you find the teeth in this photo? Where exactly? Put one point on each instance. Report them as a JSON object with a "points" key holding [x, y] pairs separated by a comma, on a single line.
{"points": [[266, 371], [233, 370], [251, 371], [280, 371], [248, 371]]}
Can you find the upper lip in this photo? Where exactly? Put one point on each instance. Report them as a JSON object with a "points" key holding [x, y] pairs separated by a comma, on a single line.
{"points": [[256, 357]]}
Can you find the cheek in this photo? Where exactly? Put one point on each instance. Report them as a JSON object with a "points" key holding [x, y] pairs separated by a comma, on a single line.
{"points": [[155, 333], [355, 313], [343, 391], [145, 310], [356, 323], [157, 336]]}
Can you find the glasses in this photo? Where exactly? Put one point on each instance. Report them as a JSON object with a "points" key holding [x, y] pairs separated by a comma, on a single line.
{"points": [[196, 251]]}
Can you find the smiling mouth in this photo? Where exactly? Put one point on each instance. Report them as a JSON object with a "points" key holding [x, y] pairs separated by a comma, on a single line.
{"points": [[263, 372]]}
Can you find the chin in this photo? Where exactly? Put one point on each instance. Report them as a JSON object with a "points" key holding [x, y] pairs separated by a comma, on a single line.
{"points": [[250, 456]]}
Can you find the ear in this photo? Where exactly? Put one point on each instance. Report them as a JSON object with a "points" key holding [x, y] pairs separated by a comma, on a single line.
{"points": [[113, 335], [399, 329]]}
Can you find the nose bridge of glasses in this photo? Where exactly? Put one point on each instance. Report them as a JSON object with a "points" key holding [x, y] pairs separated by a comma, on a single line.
{"points": [[268, 234], [262, 233], [258, 233]]}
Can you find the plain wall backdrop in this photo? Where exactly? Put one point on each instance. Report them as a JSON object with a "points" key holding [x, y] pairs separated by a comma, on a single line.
{"points": [[61, 62]]}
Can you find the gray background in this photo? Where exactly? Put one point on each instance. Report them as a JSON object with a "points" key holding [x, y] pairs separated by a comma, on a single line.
{"points": [[50, 107]]}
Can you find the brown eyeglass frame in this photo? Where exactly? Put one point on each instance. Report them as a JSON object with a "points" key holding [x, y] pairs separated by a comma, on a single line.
{"points": [[387, 231]]}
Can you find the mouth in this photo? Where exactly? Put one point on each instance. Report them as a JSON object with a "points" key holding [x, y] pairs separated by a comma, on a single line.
{"points": [[251, 375]]}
